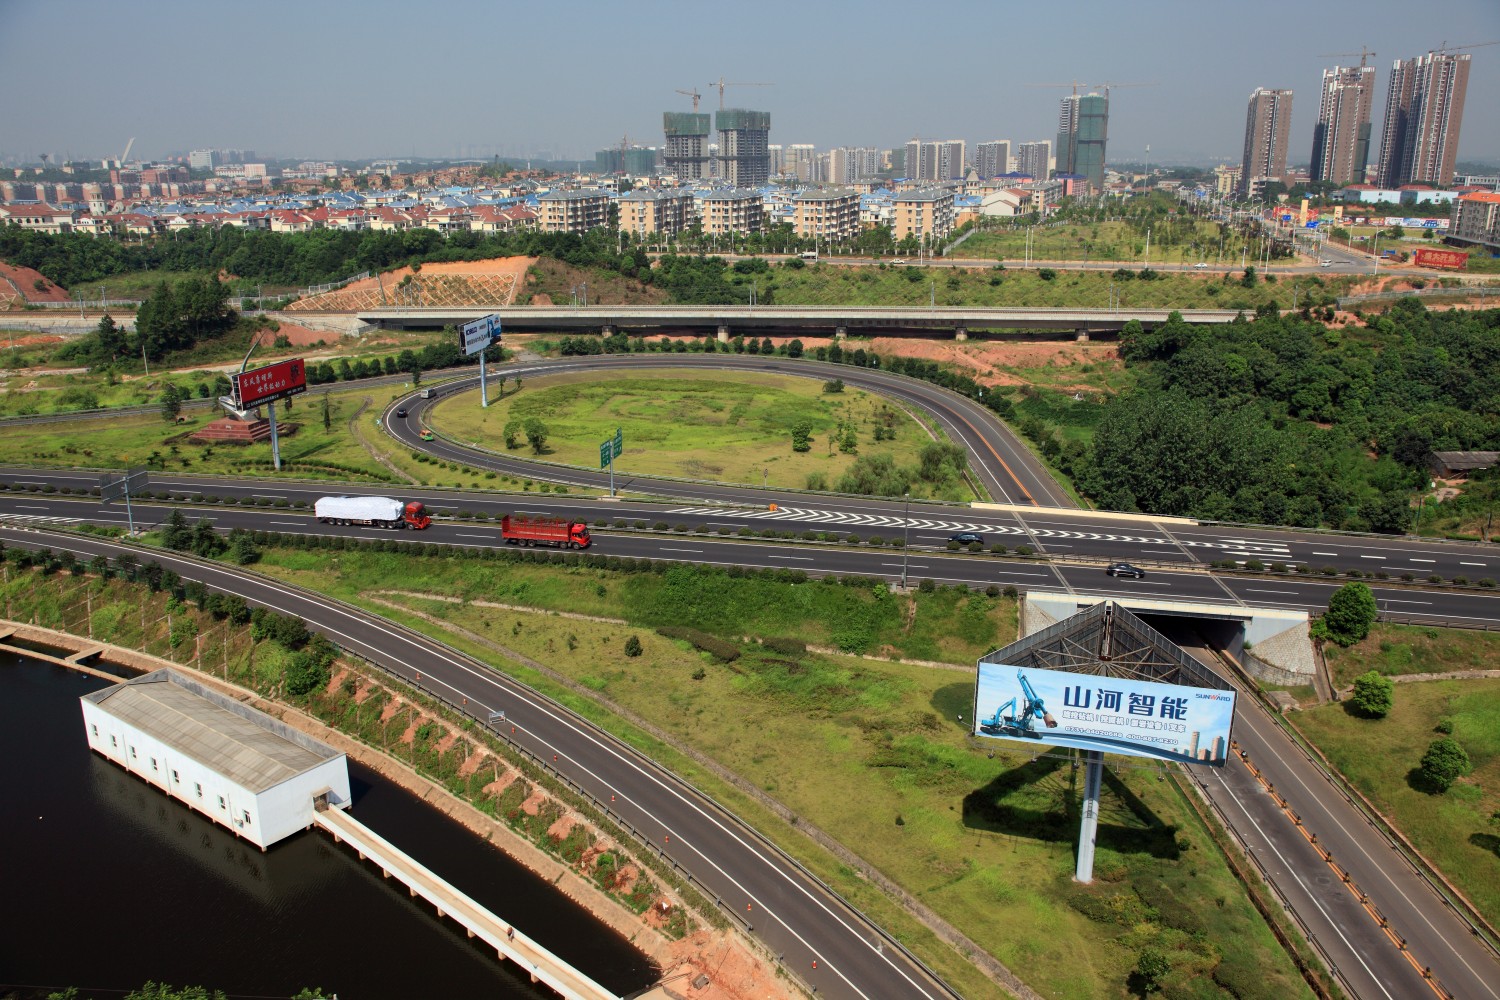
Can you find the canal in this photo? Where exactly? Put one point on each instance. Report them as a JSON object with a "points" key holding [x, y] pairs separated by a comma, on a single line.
{"points": [[112, 884]]}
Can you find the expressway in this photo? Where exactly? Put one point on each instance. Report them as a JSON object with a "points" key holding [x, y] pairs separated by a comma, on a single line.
{"points": [[1343, 926]]}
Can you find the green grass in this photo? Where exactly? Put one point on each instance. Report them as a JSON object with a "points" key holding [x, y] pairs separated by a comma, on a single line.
{"points": [[1410, 649], [691, 425], [831, 284], [1104, 241], [1456, 830], [872, 753], [123, 441]]}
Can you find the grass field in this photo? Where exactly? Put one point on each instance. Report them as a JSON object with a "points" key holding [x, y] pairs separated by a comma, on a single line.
{"points": [[123, 441], [831, 284], [693, 425], [872, 753], [1410, 649], [1107, 241], [1458, 830]]}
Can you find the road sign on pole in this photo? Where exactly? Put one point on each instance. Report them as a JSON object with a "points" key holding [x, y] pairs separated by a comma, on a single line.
{"points": [[112, 487], [619, 442], [606, 454]]}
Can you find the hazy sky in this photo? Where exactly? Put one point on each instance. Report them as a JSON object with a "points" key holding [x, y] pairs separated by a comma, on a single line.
{"points": [[567, 77]]}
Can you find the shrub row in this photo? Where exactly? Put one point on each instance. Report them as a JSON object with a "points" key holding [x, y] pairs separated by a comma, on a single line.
{"points": [[721, 649]]}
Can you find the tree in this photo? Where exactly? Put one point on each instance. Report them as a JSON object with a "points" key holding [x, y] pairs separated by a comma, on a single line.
{"points": [[1374, 695], [171, 403], [1152, 966], [633, 646], [1444, 763], [176, 534], [242, 547], [802, 435], [536, 435], [206, 543], [327, 413], [512, 434], [1351, 612], [833, 385], [1247, 279]]}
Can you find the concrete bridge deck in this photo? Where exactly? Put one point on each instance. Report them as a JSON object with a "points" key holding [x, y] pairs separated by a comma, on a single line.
{"points": [[787, 319], [538, 962]]}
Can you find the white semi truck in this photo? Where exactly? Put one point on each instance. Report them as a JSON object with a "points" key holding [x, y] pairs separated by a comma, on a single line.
{"points": [[380, 512]]}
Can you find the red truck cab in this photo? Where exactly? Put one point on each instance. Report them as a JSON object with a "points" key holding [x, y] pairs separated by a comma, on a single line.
{"points": [[415, 515]]}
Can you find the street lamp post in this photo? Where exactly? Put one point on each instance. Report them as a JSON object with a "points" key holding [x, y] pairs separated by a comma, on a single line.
{"points": [[905, 536]]}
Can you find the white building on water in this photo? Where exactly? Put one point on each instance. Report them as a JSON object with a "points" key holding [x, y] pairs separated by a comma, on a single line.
{"points": [[241, 768]]}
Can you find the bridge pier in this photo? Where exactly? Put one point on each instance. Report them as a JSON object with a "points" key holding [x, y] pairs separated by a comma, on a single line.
{"points": [[960, 334], [723, 333], [1083, 337], [607, 330], [840, 332]]}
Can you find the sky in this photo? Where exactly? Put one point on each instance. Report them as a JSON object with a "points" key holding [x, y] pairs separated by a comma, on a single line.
{"points": [[563, 78]]}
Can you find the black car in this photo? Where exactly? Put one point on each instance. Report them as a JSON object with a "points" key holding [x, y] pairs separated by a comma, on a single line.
{"points": [[967, 538], [401, 412], [1125, 569]]}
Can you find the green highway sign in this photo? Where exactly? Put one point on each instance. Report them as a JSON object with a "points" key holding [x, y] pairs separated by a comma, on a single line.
{"points": [[605, 454], [619, 442]]}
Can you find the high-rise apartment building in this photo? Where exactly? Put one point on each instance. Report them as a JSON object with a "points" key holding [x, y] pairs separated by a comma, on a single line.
{"points": [[777, 159], [1034, 159], [686, 153], [1423, 111], [799, 160], [1341, 139], [991, 159], [848, 164], [934, 160], [1082, 135], [744, 146], [1268, 124]]}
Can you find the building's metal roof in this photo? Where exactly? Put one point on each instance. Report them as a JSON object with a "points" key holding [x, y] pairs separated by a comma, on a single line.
{"points": [[1467, 461], [249, 748]]}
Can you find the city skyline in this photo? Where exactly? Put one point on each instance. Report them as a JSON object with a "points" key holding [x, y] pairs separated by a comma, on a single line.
{"points": [[352, 100]]}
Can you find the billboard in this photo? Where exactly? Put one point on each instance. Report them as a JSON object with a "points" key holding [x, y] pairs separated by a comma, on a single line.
{"points": [[268, 383], [1110, 714], [1415, 223], [476, 336], [1450, 260]]}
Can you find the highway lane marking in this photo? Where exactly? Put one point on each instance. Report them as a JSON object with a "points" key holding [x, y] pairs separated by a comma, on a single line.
{"points": [[485, 537], [666, 549], [1290, 870], [1414, 559], [24, 506], [1255, 721], [1372, 557], [1253, 590], [1392, 600], [796, 558], [1473, 564], [1334, 554], [289, 524], [522, 693]]}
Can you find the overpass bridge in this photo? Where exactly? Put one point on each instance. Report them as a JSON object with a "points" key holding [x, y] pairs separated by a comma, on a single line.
{"points": [[729, 321]]}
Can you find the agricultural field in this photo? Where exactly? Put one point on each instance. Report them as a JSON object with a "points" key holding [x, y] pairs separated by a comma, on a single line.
{"points": [[872, 752], [695, 425]]}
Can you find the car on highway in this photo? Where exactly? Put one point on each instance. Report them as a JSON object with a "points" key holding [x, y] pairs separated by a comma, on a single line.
{"points": [[401, 412], [428, 435], [1325, 263], [967, 538], [1125, 569], [899, 260], [1199, 266]]}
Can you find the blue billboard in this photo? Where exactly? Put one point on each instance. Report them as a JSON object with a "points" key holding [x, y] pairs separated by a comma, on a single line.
{"points": [[1112, 714]]}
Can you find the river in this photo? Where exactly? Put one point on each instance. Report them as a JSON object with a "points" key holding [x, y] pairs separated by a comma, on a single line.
{"points": [[112, 884]]}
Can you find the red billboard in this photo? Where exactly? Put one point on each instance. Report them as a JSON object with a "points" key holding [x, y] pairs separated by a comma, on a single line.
{"points": [[268, 383], [1448, 260]]}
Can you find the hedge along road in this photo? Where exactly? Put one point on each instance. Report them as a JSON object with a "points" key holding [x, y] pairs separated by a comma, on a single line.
{"points": [[822, 940], [1008, 471]]}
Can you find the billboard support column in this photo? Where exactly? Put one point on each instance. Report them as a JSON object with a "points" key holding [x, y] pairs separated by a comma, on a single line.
{"points": [[484, 386], [275, 444], [1088, 828]]}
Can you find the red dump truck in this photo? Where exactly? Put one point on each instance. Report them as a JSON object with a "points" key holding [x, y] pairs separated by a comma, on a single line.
{"points": [[379, 512], [545, 531]]}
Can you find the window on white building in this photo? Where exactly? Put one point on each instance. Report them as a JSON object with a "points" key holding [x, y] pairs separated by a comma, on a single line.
{"points": [[199, 787]]}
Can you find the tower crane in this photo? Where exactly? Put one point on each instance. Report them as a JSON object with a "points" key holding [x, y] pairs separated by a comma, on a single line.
{"points": [[1459, 48], [1363, 53], [1023, 724], [1108, 86], [721, 83], [694, 95]]}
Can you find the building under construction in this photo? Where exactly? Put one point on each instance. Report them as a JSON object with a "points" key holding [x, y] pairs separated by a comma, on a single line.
{"points": [[686, 153], [744, 146]]}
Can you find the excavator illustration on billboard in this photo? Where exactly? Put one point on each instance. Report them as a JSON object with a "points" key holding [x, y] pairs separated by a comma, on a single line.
{"points": [[1006, 723]]}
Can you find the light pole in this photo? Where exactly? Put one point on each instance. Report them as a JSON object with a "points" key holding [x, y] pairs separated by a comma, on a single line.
{"points": [[905, 536]]}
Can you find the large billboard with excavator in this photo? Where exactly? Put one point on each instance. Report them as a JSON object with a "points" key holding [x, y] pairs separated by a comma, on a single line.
{"points": [[1111, 714]]}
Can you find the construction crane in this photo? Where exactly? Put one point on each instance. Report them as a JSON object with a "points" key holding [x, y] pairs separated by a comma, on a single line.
{"points": [[1459, 48], [1019, 725], [1363, 53], [1049, 86], [694, 95], [722, 83], [1105, 86], [1108, 86]]}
